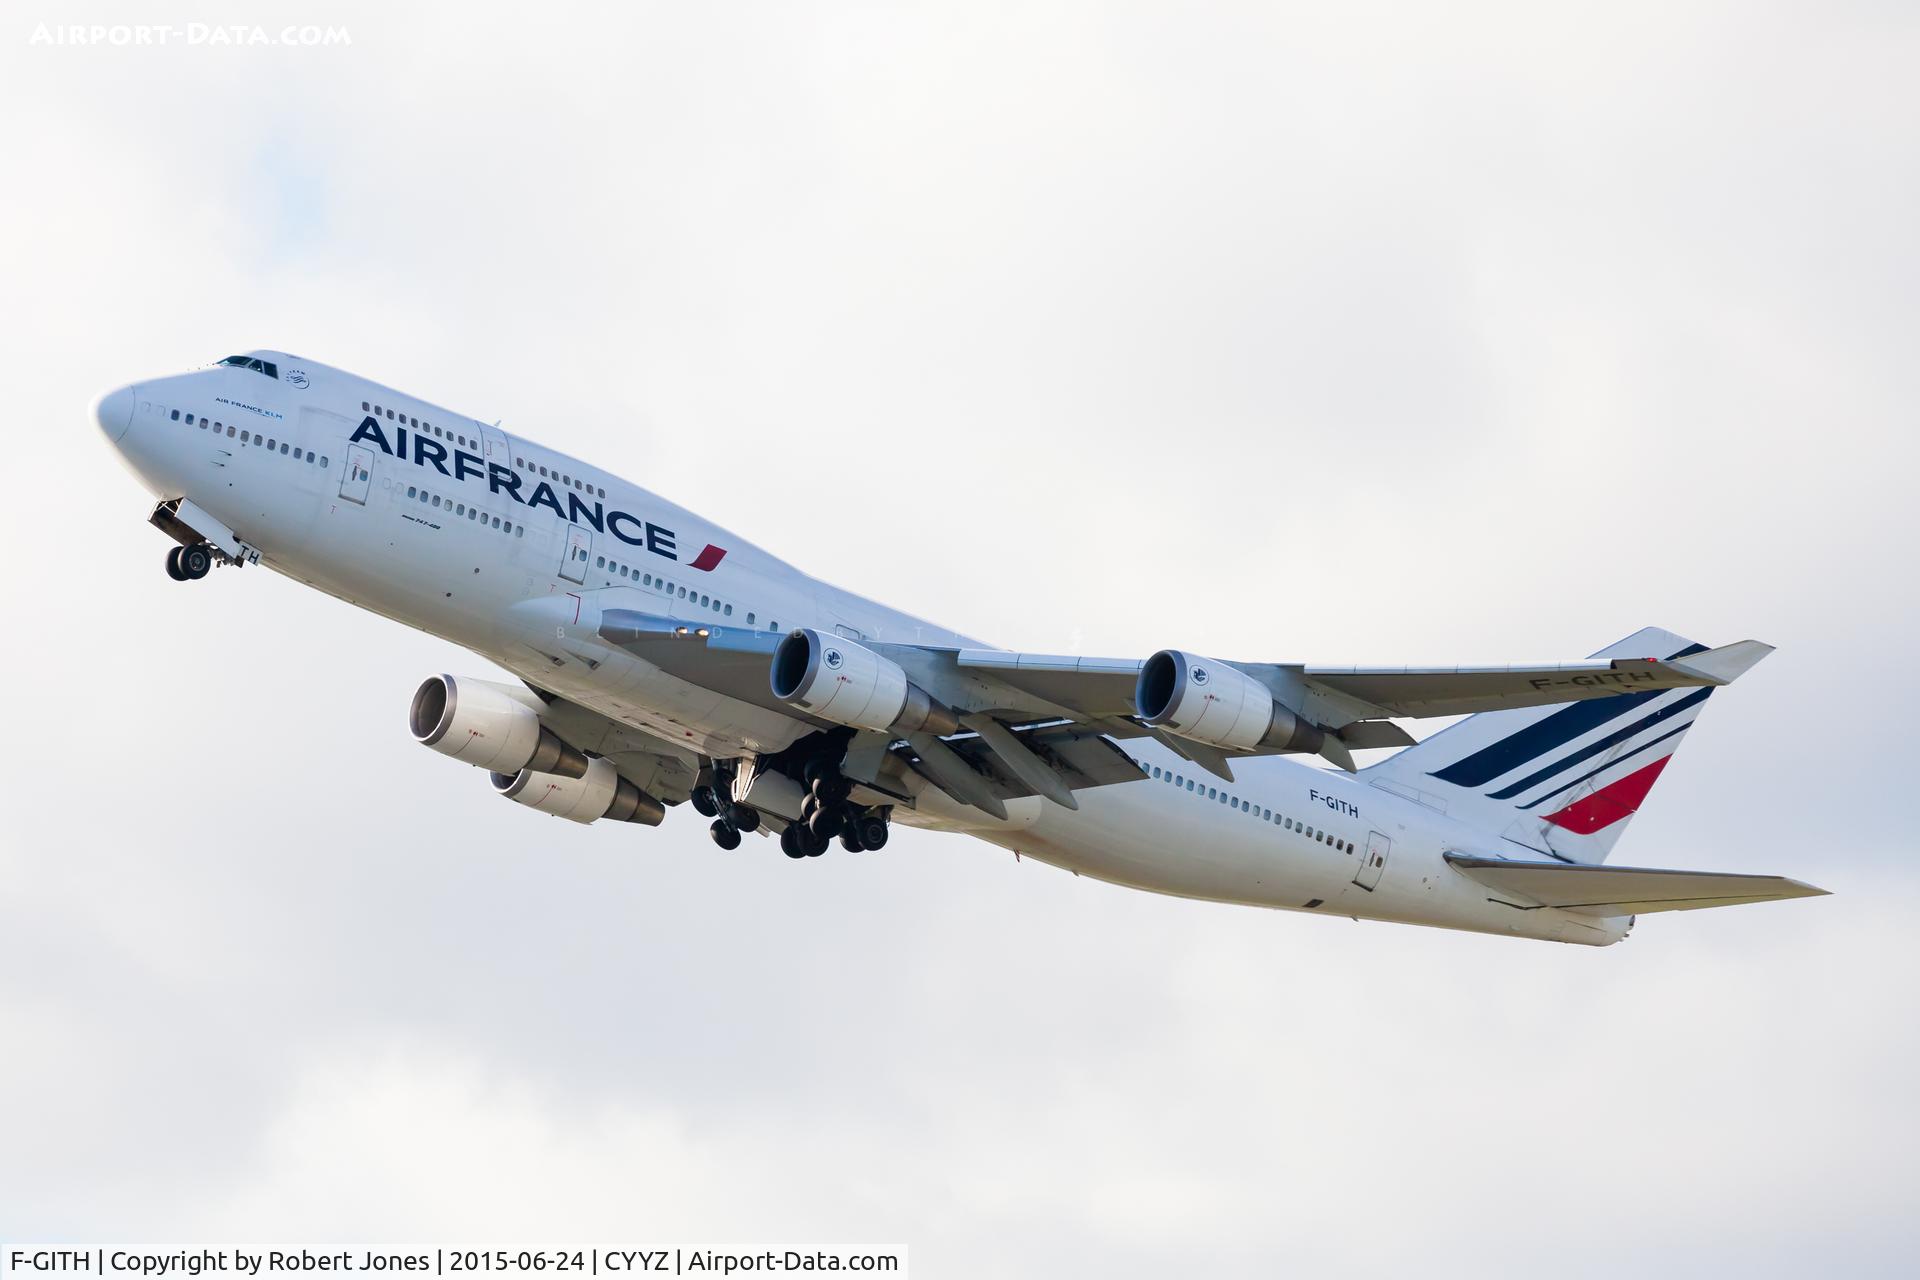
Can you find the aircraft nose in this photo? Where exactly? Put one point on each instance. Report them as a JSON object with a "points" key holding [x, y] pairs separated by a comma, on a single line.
{"points": [[113, 410]]}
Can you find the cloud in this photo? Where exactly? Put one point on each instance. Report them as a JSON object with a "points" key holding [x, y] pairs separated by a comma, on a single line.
{"points": [[1272, 332]]}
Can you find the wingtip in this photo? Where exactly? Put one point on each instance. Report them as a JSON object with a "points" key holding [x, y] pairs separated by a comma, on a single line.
{"points": [[1725, 664]]}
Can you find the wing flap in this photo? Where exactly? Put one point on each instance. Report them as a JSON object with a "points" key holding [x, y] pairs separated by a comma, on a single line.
{"points": [[1624, 891]]}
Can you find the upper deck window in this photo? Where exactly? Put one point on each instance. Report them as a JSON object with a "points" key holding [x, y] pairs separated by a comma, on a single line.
{"points": [[267, 367]]}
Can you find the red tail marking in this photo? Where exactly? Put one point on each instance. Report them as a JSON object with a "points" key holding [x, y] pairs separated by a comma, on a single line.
{"points": [[709, 557], [1610, 804]]}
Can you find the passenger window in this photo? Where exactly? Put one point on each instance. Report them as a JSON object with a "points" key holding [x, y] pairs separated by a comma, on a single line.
{"points": [[436, 499], [323, 459], [189, 419], [243, 437], [176, 416], [412, 492], [749, 619], [727, 612], [229, 432]]}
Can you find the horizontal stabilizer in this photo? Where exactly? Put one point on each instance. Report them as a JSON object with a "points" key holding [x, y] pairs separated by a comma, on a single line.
{"points": [[1623, 891]]}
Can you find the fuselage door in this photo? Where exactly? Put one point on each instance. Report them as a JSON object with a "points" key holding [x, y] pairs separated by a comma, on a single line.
{"points": [[1374, 862], [358, 476], [495, 443], [579, 551]]}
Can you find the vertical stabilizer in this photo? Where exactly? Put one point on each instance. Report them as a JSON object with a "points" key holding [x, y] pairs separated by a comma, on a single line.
{"points": [[1566, 779]]}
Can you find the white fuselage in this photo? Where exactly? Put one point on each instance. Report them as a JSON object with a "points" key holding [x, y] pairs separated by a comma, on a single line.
{"points": [[513, 550]]}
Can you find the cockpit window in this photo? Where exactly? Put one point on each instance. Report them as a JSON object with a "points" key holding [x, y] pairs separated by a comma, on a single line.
{"points": [[267, 367]]}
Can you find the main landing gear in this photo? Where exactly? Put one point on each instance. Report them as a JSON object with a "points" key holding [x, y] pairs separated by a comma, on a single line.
{"points": [[729, 819], [827, 813], [190, 564]]}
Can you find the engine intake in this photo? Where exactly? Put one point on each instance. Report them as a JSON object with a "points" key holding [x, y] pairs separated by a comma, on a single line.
{"points": [[490, 725], [847, 683], [1218, 704], [601, 793]]}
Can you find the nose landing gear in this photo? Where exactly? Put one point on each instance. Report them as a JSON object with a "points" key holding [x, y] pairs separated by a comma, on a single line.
{"points": [[189, 564]]}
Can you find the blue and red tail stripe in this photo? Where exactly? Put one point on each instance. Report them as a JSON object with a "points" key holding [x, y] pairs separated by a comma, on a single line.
{"points": [[1548, 734], [1615, 802]]}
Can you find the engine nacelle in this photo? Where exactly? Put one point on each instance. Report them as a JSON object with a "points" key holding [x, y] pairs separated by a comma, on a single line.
{"points": [[847, 683], [1218, 704], [602, 793], [489, 725]]}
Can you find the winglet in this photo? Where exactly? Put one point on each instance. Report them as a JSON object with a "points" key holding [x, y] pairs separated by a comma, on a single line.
{"points": [[1725, 664]]}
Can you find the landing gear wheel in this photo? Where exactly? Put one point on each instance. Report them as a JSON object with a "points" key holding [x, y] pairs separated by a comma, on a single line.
{"points": [[790, 843], [724, 834], [850, 840], [829, 822], [745, 817], [704, 803], [872, 830], [812, 844], [814, 770], [195, 562], [173, 564]]}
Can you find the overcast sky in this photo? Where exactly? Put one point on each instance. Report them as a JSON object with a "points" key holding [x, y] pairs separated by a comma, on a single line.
{"points": [[1322, 333]]}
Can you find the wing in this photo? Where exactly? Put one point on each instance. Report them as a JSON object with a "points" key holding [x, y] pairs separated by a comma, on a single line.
{"points": [[1023, 724], [663, 770], [1459, 691], [1104, 687], [1623, 891]]}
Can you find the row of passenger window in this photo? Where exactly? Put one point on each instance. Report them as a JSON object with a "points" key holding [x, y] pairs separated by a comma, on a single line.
{"points": [[461, 510], [467, 442], [618, 569], [568, 482], [1249, 808], [405, 420], [272, 444]]}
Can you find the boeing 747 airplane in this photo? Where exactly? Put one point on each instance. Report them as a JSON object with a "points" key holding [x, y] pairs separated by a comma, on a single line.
{"points": [[664, 660]]}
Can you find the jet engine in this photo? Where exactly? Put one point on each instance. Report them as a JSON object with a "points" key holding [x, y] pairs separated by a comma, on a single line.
{"points": [[1218, 704], [494, 726], [847, 683], [601, 793]]}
